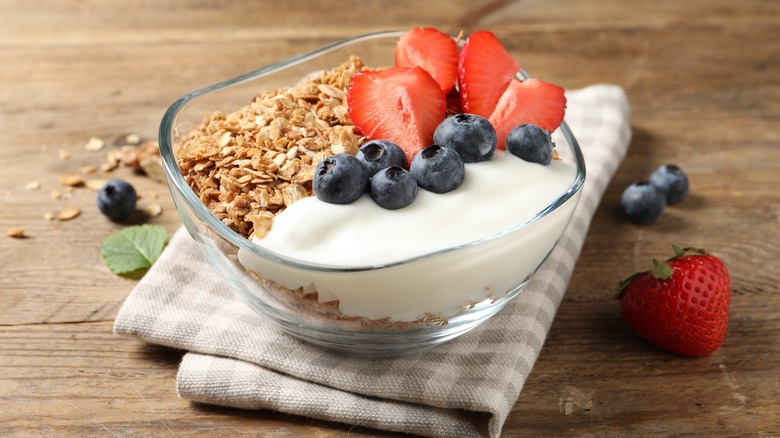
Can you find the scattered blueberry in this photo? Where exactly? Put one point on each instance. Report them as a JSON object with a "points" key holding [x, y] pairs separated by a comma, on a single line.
{"points": [[643, 203], [340, 179], [438, 169], [671, 180], [531, 143], [116, 199], [393, 188], [380, 154], [472, 136]]}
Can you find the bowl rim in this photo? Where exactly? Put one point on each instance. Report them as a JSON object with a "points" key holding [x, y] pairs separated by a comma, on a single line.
{"points": [[176, 181]]}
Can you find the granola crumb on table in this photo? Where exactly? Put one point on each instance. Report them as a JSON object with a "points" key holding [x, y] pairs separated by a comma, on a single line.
{"points": [[249, 165], [15, 232]]}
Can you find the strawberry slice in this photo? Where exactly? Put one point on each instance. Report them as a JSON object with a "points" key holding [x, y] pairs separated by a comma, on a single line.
{"points": [[529, 101], [453, 103], [433, 50], [400, 104], [485, 69]]}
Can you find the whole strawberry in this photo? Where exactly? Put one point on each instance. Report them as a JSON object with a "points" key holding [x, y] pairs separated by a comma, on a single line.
{"points": [[681, 305]]}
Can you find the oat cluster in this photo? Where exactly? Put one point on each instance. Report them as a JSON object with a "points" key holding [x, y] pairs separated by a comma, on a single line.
{"points": [[249, 165]]}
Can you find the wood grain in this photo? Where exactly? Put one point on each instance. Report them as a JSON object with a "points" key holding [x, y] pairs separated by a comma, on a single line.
{"points": [[703, 78]]}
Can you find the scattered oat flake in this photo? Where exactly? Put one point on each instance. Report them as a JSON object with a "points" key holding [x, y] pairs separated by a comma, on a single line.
{"points": [[33, 185], [64, 155], [88, 170], [72, 180], [153, 167], [95, 144], [15, 232], [95, 184], [128, 156], [109, 166], [153, 210], [67, 213], [56, 194], [48, 216], [133, 139]]}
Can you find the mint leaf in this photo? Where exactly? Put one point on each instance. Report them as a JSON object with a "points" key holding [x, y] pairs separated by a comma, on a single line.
{"points": [[132, 251]]}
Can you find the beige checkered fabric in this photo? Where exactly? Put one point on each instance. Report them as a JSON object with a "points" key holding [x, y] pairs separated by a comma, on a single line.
{"points": [[463, 388]]}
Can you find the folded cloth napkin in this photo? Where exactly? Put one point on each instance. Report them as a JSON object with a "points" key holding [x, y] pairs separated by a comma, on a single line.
{"points": [[465, 387]]}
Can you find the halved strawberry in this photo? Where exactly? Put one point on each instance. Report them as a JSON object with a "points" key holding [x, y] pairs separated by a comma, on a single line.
{"points": [[529, 101], [400, 104], [485, 69], [433, 50]]}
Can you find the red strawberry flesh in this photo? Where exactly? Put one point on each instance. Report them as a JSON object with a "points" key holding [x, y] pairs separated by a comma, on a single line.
{"points": [[403, 105], [433, 50], [485, 69], [528, 102]]}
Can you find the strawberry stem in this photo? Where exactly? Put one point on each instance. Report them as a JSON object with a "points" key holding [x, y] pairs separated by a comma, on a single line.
{"points": [[661, 270], [679, 252]]}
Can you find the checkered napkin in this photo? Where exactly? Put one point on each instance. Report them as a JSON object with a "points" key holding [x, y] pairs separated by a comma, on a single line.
{"points": [[463, 388]]}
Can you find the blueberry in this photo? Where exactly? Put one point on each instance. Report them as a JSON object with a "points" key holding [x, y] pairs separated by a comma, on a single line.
{"points": [[472, 136], [671, 180], [340, 179], [531, 143], [643, 203], [116, 199], [438, 169], [380, 154], [393, 188]]}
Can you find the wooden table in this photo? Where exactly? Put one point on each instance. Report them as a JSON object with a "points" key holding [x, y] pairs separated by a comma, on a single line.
{"points": [[704, 83]]}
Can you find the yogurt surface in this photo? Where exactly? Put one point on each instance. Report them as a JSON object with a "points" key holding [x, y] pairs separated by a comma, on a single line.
{"points": [[494, 196]]}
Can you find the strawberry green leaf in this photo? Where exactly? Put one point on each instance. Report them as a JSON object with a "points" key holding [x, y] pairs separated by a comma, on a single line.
{"points": [[689, 250], [132, 251], [661, 270]]}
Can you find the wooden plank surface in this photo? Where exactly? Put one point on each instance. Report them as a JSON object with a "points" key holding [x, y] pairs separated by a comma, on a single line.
{"points": [[703, 78]]}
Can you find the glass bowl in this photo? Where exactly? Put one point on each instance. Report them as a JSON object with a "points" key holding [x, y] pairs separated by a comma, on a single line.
{"points": [[255, 274]]}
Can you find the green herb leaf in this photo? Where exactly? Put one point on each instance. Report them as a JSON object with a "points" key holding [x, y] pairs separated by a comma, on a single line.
{"points": [[132, 251]]}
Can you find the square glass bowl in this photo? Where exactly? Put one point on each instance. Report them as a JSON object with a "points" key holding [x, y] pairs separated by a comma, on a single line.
{"points": [[514, 254]]}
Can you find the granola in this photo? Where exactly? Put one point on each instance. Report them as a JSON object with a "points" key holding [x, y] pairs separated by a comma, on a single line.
{"points": [[249, 165], [15, 232], [67, 213], [94, 144], [144, 157]]}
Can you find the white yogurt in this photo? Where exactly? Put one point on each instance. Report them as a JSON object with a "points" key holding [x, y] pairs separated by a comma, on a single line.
{"points": [[495, 196]]}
